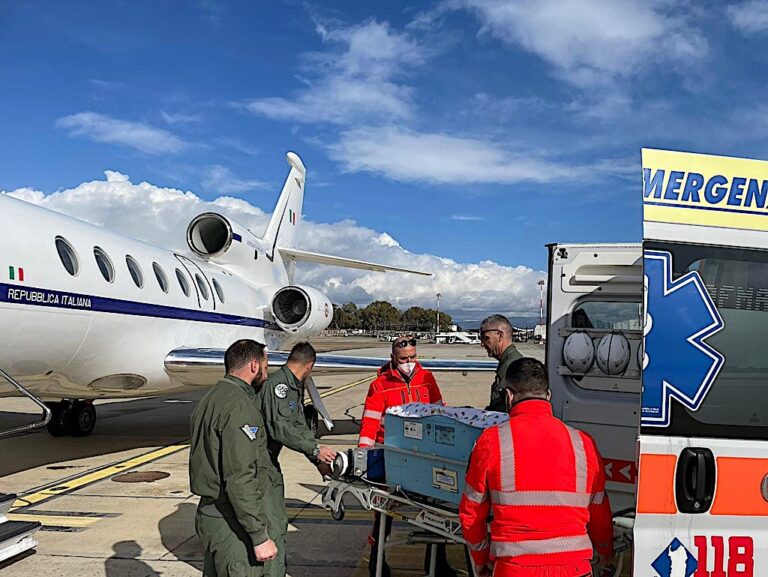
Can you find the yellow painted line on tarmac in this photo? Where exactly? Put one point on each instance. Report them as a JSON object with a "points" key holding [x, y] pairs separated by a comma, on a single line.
{"points": [[88, 477], [295, 513], [345, 387], [55, 521]]}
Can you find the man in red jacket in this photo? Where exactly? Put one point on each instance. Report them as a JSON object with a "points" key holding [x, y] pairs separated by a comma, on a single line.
{"points": [[402, 380], [545, 484]]}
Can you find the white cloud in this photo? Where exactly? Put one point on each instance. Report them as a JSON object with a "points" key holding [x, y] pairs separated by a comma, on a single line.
{"points": [[170, 118], [160, 216], [466, 218], [355, 78], [220, 179], [750, 17], [137, 135], [593, 42], [407, 155]]}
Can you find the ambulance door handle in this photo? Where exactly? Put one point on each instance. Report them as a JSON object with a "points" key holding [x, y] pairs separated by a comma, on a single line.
{"points": [[701, 492], [695, 480]]}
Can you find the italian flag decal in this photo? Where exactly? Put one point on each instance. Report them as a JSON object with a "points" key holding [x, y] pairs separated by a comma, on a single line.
{"points": [[16, 273], [292, 217]]}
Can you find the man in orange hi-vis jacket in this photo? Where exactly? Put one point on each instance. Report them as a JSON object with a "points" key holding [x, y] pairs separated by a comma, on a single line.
{"points": [[402, 380], [544, 482]]}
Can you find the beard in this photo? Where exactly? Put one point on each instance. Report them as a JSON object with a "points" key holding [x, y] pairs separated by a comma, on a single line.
{"points": [[259, 379]]}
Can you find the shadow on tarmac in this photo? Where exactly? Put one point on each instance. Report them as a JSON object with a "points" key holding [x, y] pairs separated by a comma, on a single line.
{"points": [[120, 426], [126, 561]]}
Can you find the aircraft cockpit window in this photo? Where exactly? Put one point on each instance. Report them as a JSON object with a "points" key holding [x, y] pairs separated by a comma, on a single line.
{"points": [[202, 286], [182, 282], [162, 280], [218, 289], [105, 265], [67, 256], [135, 270]]}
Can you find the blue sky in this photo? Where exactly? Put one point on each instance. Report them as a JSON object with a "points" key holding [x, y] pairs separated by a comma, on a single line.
{"points": [[472, 130]]}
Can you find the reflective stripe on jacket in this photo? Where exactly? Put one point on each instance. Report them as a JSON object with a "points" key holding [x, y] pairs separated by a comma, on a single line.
{"points": [[545, 483], [390, 390]]}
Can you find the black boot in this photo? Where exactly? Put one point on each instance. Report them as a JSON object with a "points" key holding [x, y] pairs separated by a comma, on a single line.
{"points": [[442, 569], [385, 572]]}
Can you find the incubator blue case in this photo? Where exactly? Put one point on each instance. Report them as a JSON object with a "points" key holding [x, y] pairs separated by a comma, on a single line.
{"points": [[427, 447]]}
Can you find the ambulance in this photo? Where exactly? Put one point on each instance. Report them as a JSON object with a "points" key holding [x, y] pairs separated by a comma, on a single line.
{"points": [[659, 350]]}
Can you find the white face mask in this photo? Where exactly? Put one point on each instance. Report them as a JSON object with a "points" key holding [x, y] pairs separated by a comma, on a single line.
{"points": [[406, 368]]}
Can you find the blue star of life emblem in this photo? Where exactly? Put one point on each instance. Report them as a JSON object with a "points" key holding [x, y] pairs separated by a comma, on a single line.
{"points": [[678, 364], [675, 561]]}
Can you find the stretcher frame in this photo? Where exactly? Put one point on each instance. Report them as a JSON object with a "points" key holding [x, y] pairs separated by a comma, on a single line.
{"points": [[442, 523]]}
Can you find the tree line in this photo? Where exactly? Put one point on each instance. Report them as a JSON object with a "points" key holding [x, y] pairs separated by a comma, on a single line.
{"points": [[382, 316]]}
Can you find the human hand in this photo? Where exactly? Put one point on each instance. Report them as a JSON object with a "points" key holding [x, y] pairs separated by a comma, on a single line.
{"points": [[326, 455], [325, 470], [266, 551]]}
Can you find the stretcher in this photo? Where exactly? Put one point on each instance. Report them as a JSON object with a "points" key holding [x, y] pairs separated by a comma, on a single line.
{"points": [[435, 522]]}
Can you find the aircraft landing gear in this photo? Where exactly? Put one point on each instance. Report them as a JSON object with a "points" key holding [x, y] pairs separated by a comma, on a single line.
{"points": [[70, 417]]}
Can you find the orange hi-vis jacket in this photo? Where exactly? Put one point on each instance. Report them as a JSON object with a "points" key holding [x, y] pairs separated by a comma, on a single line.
{"points": [[390, 389], [545, 483]]}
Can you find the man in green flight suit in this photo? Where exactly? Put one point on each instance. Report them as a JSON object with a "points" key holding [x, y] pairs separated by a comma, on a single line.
{"points": [[282, 402], [496, 339], [229, 469]]}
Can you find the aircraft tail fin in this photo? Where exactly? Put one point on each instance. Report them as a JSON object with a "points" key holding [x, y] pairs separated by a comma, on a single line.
{"points": [[281, 231]]}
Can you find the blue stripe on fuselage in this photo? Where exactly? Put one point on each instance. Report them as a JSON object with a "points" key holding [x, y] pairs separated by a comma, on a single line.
{"points": [[24, 295]]}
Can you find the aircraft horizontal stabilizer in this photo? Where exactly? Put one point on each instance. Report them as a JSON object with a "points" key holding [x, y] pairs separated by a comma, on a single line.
{"points": [[291, 254]]}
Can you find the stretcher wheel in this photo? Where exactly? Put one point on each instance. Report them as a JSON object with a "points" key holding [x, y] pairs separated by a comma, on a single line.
{"points": [[338, 515]]}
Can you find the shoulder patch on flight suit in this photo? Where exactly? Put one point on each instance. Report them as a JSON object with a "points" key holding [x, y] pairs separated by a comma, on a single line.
{"points": [[281, 391], [250, 431]]}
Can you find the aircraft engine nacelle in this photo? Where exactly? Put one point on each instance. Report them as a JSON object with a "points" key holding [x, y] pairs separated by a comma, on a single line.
{"points": [[301, 310], [221, 240]]}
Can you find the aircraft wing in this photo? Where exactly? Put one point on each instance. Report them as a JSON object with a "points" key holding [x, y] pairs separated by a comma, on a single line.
{"points": [[185, 360], [201, 366], [300, 255]]}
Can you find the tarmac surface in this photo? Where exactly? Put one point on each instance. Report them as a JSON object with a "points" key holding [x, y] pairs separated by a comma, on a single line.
{"points": [[118, 504]]}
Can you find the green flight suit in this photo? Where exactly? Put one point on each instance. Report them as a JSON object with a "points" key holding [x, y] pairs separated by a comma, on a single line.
{"points": [[282, 403], [229, 468], [498, 399]]}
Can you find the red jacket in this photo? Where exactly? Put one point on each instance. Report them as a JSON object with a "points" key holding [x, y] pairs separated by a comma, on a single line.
{"points": [[545, 483], [390, 390]]}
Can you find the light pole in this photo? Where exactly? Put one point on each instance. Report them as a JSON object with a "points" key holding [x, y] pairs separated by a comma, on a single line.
{"points": [[437, 325], [541, 303]]}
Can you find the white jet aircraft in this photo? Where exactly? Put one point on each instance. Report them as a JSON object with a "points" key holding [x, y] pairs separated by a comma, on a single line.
{"points": [[87, 313]]}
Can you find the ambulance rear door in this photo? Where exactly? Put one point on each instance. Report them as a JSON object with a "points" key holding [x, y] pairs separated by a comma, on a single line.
{"points": [[702, 495], [596, 290]]}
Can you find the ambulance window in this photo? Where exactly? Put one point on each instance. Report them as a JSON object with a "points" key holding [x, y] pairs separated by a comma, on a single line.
{"points": [[182, 282], [607, 315], [202, 286], [162, 280], [219, 290], [105, 265], [67, 256], [135, 270], [736, 405]]}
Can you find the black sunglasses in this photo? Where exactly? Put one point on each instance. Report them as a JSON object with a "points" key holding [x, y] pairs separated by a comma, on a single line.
{"points": [[405, 343]]}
